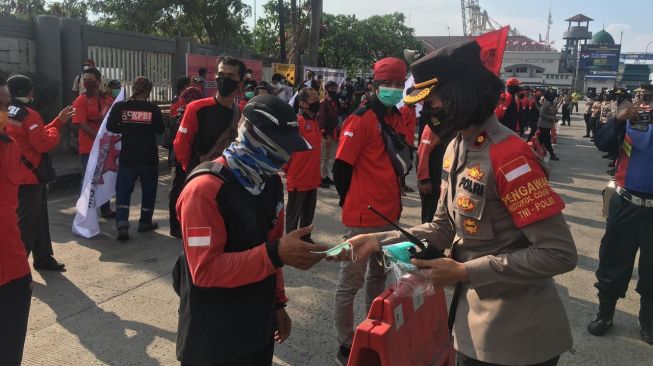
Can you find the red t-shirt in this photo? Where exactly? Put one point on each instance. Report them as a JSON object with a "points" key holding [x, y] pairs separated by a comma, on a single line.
{"points": [[303, 169], [374, 181], [13, 258], [90, 110]]}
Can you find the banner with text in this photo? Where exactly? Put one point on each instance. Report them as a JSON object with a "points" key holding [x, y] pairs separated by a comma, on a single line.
{"points": [[99, 179]]}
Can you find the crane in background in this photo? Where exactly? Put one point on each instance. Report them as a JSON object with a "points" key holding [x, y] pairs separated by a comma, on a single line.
{"points": [[477, 21]]}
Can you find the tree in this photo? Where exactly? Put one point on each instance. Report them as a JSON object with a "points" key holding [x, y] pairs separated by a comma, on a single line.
{"points": [[216, 22], [29, 9], [267, 30]]}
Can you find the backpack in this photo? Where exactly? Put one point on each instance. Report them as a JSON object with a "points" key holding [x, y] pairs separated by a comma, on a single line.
{"points": [[171, 131]]}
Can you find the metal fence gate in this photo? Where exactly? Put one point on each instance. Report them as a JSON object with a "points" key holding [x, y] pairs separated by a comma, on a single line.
{"points": [[125, 65]]}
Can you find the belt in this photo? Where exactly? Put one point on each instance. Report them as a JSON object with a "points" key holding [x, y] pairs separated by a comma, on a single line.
{"points": [[637, 201]]}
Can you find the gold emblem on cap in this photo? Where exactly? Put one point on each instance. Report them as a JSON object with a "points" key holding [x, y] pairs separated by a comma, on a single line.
{"points": [[413, 99]]}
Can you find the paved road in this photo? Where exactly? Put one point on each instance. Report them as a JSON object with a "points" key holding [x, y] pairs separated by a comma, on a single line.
{"points": [[116, 306]]}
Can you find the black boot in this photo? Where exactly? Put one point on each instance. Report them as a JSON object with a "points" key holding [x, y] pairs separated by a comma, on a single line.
{"points": [[646, 320], [603, 320]]}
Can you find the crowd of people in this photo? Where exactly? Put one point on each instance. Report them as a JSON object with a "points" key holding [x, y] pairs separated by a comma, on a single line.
{"points": [[234, 153]]}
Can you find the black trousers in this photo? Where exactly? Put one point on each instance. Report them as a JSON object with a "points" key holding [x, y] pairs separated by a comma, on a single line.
{"points": [[545, 139], [466, 361], [588, 125], [33, 220], [300, 209], [430, 202], [15, 298], [594, 125], [566, 115], [178, 179], [629, 228], [533, 128], [262, 357]]}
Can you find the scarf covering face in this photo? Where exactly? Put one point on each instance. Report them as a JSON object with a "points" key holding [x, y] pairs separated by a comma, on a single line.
{"points": [[253, 158]]}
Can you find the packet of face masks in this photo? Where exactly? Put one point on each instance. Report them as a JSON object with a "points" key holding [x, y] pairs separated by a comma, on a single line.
{"points": [[407, 278]]}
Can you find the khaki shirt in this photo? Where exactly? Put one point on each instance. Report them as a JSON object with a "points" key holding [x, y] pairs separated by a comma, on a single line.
{"points": [[606, 111], [510, 233]]}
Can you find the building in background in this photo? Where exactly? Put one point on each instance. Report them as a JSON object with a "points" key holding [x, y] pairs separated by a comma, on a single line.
{"points": [[532, 62]]}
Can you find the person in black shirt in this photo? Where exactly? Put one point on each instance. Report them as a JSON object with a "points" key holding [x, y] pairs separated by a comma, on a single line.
{"points": [[138, 121]]}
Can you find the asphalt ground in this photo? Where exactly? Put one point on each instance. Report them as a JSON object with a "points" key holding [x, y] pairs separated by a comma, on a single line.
{"points": [[115, 305]]}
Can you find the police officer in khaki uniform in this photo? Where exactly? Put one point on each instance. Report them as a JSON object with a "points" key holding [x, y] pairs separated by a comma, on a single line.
{"points": [[499, 216]]}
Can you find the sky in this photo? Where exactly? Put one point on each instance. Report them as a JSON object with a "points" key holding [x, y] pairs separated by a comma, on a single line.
{"points": [[443, 17]]}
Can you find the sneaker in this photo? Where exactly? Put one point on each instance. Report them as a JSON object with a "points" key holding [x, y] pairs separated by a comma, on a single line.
{"points": [[325, 183], [554, 157], [343, 355], [586, 136], [147, 226], [123, 234], [49, 264], [599, 326], [611, 172]]}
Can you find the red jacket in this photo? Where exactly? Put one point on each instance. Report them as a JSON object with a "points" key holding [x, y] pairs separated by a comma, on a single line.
{"points": [[209, 264], [428, 142], [13, 258], [410, 121], [373, 179], [303, 169], [33, 138]]}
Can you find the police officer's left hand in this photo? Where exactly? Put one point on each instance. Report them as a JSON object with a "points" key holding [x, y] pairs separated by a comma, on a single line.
{"points": [[283, 326], [443, 271]]}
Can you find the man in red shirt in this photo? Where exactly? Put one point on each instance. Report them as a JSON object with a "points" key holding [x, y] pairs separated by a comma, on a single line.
{"points": [[303, 169], [90, 109], [210, 124], [364, 176], [34, 139], [15, 277], [328, 119]]}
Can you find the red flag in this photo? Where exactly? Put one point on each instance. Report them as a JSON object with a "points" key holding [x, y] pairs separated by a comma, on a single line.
{"points": [[492, 46]]}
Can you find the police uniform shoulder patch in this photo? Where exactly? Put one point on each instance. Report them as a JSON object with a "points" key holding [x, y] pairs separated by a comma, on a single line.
{"points": [[522, 183], [475, 172], [470, 226], [464, 203]]}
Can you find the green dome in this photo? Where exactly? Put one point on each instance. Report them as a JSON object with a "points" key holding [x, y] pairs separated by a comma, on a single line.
{"points": [[602, 37]]}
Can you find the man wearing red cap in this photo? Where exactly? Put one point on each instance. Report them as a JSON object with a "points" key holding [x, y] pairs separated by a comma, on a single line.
{"points": [[364, 175]]}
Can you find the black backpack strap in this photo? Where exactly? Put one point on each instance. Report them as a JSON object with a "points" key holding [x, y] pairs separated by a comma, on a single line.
{"points": [[210, 167], [361, 110]]}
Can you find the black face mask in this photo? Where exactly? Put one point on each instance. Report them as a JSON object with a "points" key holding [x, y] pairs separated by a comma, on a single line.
{"points": [[226, 86], [332, 93], [314, 107], [514, 89], [434, 118]]}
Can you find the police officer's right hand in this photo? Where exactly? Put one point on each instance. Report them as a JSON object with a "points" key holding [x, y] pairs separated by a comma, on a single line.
{"points": [[629, 113], [295, 252]]}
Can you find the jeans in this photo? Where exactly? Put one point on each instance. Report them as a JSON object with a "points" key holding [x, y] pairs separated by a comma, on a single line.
{"points": [[351, 278], [126, 180], [83, 159], [15, 298]]}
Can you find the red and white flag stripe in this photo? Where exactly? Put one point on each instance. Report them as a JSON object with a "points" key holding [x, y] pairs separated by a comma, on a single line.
{"points": [[515, 169], [198, 236]]}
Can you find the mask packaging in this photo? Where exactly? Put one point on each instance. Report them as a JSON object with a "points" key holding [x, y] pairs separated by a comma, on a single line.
{"points": [[409, 281]]}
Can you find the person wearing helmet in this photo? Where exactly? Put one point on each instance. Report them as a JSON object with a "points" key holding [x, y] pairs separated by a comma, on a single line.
{"points": [[509, 111], [229, 277]]}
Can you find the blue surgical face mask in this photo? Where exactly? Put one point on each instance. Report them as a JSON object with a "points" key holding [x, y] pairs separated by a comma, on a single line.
{"points": [[390, 96]]}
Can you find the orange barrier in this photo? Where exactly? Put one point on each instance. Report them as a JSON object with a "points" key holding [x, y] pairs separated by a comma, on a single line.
{"points": [[404, 327]]}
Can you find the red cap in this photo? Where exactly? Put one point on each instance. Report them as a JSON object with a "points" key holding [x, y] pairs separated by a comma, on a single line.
{"points": [[513, 82], [390, 68]]}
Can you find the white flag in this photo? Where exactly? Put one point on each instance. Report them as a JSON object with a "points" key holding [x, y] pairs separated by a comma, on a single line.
{"points": [[99, 179]]}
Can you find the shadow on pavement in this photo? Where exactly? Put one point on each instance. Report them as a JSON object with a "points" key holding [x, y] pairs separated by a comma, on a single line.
{"points": [[110, 338]]}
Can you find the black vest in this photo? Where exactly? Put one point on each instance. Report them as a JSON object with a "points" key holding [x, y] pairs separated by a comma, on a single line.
{"points": [[217, 325]]}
